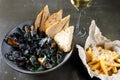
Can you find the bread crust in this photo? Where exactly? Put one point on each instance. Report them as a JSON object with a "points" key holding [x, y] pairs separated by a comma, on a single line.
{"points": [[45, 16], [57, 27], [64, 39], [53, 18], [38, 20]]}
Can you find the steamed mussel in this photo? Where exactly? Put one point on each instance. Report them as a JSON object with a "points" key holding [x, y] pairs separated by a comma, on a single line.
{"points": [[33, 50]]}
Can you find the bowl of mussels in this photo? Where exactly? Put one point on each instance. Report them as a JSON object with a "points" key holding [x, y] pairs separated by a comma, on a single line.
{"points": [[39, 46]]}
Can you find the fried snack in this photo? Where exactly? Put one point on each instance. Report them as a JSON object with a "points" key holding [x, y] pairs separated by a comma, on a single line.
{"points": [[103, 61]]}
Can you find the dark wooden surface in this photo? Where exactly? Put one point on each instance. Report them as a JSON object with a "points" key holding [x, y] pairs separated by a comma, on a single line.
{"points": [[13, 12]]}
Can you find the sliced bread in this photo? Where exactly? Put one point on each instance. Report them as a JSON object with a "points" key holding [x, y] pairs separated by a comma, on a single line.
{"points": [[38, 21], [53, 18], [45, 16], [64, 38], [57, 27], [67, 22]]}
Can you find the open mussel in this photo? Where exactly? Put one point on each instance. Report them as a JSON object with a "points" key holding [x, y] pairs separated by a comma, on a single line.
{"points": [[12, 42], [43, 41], [13, 55], [20, 31], [47, 64], [42, 58]]}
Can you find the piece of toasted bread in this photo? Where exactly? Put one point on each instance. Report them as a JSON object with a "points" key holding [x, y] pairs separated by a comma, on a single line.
{"points": [[45, 16], [67, 23], [53, 18], [38, 21], [57, 27], [64, 38]]}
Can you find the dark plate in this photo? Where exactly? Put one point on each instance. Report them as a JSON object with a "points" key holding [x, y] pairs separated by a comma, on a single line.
{"points": [[5, 48]]}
